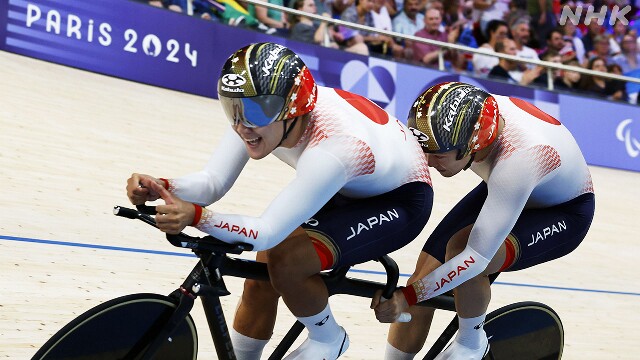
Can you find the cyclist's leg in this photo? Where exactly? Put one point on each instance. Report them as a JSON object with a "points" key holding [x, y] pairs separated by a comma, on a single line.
{"points": [[472, 297], [349, 232], [472, 300], [294, 266], [255, 316], [406, 339], [409, 338], [539, 235]]}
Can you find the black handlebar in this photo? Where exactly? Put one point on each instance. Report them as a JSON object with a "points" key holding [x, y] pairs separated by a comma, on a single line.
{"points": [[393, 274], [182, 240], [125, 212], [146, 209]]}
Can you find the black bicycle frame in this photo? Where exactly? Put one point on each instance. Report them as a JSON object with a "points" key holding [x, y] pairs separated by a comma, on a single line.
{"points": [[206, 281]]}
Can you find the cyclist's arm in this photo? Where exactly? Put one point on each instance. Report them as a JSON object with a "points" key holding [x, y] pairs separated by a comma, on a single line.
{"points": [[319, 176], [509, 188], [209, 185]]}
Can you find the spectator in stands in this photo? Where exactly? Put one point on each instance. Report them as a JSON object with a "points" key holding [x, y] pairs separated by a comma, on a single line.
{"points": [[426, 53], [438, 5], [322, 7], [517, 11], [339, 6], [236, 13], [399, 5], [555, 44], [201, 8], [206, 10], [381, 16], [601, 48], [580, 27], [543, 19], [596, 85], [593, 29], [434, 4], [521, 35], [555, 73], [410, 19], [382, 21], [390, 5], [572, 42], [468, 31], [618, 88], [497, 30], [173, 5], [569, 80], [380, 44], [273, 19], [619, 30], [304, 29], [155, 3], [505, 67], [452, 13], [634, 27], [629, 57], [490, 10], [457, 18]]}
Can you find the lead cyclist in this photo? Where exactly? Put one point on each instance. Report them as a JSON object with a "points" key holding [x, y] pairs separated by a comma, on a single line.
{"points": [[362, 190], [535, 203]]}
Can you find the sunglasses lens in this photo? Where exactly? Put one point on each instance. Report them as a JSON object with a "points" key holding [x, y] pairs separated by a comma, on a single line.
{"points": [[254, 111]]}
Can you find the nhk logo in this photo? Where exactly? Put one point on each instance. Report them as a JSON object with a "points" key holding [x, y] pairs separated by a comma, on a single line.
{"points": [[575, 15]]}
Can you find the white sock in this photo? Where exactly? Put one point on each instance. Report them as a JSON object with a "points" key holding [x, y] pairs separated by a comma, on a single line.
{"points": [[471, 331], [322, 326], [391, 353], [247, 348]]}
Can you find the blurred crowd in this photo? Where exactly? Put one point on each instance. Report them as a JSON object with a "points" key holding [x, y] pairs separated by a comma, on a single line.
{"points": [[525, 28]]}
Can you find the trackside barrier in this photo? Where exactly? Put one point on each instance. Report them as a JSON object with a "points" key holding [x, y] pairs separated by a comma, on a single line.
{"points": [[142, 43]]}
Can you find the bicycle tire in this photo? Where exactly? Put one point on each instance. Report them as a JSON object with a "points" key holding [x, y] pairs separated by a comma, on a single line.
{"points": [[110, 330], [525, 331]]}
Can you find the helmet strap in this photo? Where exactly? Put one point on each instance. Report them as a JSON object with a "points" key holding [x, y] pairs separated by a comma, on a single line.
{"points": [[286, 131], [473, 156]]}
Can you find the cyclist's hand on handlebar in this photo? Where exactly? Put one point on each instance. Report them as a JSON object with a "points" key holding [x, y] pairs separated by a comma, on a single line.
{"points": [[138, 193], [388, 311], [176, 214]]}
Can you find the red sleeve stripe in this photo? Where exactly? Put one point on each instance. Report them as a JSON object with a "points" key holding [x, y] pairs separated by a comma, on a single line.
{"points": [[410, 295], [197, 215], [166, 183]]}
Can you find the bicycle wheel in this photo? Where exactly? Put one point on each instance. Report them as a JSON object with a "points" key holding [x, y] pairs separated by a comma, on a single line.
{"points": [[524, 331], [110, 330]]}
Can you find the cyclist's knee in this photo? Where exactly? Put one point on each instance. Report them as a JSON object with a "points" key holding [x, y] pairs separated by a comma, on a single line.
{"points": [[259, 290], [292, 261], [285, 272]]}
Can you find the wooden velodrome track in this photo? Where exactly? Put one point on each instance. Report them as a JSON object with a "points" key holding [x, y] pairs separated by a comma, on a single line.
{"points": [[68, 141]]}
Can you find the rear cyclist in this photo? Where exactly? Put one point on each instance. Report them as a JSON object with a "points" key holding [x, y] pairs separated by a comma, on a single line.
{"points": [[535, 204], [362, 189]]}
